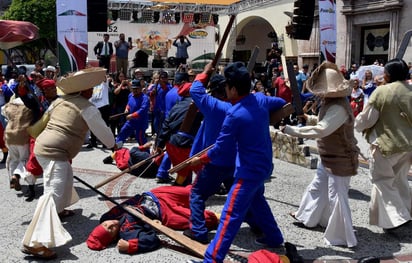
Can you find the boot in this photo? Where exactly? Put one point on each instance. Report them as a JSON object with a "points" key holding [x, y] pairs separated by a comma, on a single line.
{"points": [[5, 154], [30, 194]]}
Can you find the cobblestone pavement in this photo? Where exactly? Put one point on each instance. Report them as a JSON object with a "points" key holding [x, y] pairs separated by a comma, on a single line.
{"points": [[283, 193]]}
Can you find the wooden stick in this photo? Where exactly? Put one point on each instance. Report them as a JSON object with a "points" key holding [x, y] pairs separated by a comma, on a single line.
{"points": [[118, 115], [186, 162], [194, 246], [134, 166]]}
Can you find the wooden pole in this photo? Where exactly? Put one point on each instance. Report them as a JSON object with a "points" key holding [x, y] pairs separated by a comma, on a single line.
{"points": [[135, 166], [194, 246], [118, 115], [186, 162]]}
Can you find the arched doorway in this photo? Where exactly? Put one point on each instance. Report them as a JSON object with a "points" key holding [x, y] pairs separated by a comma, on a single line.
{"points": [[248, 33]]}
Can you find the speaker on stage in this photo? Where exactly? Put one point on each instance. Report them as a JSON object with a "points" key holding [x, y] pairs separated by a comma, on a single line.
{"points": [[302, 20], [97, 15]]}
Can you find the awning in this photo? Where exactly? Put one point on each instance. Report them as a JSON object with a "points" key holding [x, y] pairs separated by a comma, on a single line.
{"points": [[15, 33], [202, 2]]}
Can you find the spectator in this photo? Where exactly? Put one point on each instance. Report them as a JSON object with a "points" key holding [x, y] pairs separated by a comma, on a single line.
{"points": [[122, 54], [104, 51], [181, 43]]}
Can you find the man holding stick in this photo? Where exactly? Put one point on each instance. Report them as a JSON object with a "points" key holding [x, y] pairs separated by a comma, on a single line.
{"points": [[245, 201], [137, 119], [72, 116], [212, 175]]}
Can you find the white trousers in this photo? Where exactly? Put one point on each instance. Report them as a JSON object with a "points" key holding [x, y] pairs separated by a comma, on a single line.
{"points": [[46, 228], [326, 203], [17, 158], [391, 197]]}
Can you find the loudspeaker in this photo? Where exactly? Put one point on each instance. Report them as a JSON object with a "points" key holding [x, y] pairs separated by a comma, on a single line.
{"points": [[302, 20], [97, 15], [134, 15], [115, 14], [177, 18], [215, 18], [196, 18], [156, 17]]}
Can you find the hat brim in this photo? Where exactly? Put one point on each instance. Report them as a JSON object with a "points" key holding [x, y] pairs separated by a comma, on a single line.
{"points": [[81, 80]]}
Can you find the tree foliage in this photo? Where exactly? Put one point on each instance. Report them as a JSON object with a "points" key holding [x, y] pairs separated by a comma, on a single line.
{"points": [[43, 15]]}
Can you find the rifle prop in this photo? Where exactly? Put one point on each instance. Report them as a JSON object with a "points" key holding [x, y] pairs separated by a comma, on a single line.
{"points": [[186, 162], [194, 246], [294, 87], [279, 115], [252, 61], [134, 166], [192, 111], [117, 115]]}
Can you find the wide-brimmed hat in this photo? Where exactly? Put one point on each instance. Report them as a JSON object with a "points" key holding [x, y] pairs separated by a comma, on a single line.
{"points": [[81, 80], [328, 82], [50, 68]]}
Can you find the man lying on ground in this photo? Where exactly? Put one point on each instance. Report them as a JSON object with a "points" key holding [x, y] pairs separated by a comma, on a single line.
{"points": [[169, 204]]}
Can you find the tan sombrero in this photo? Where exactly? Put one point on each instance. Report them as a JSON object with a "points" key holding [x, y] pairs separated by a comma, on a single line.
{"points": [[328, 82], [81, 80]]}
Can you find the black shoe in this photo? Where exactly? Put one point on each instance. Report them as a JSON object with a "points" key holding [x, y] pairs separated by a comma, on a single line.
{"points": [[222, 190], [292, 253], [161, 180], [108, 160], [91, 145], [15, 182], [369, 260], [30, 194], [5, 154], [190, 235]]}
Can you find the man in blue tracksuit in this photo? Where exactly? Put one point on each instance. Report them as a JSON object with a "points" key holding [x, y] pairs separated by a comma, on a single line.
{"points": [[138, 115], [212, 175], [172, 97], [247, 126]]}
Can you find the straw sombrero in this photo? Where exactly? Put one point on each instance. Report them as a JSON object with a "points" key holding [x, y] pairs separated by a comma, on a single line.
{"points": [[328, 82], [81, 80]]}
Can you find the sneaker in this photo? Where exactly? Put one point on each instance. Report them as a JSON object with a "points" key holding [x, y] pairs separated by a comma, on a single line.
{"points": [[262, 242], [190, 235], [194, 261]]}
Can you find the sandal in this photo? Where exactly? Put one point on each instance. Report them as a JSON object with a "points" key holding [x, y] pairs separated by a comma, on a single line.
{"points": [[15, 182], [39, 252], [66, 213], [293, 216]]}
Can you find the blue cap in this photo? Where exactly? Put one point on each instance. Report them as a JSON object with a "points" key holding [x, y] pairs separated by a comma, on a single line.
{"points": [[136, 83], [216, 82], [237, 74], [180, 77]]}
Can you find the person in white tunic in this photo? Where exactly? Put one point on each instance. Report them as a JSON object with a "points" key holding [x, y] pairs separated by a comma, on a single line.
{"points": [[325, 201], [386, 122], [72, 116]]}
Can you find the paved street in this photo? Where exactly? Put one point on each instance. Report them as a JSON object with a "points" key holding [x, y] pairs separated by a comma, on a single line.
{"points": [[283, 192]]}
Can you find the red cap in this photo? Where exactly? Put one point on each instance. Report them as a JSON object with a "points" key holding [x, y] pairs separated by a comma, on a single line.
{"points": [[46, 83], [99, 238]]}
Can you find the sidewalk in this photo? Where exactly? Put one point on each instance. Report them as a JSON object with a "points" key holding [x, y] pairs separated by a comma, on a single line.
{"points": [[283, 193]]}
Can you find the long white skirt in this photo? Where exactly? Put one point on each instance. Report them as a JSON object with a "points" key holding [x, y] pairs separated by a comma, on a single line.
{"points": [[391, 196], [46, 228], [326, 203]]}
